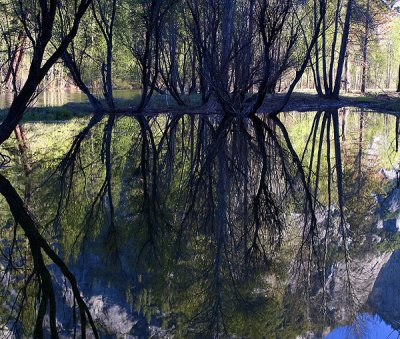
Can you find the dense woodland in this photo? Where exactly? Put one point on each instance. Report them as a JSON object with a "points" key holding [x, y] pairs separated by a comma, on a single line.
{"points": [[222, 184]]}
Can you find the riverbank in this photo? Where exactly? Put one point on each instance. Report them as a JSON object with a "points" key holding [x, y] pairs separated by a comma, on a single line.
{"points": [[299, 101], [305, 102]]}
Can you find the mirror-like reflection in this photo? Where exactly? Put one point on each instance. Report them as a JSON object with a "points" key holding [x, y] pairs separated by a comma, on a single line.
{"points": [[201, 226], [59, 98]]}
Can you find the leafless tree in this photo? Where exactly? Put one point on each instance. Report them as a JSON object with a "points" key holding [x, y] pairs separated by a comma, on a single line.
{"points": [[39, 30]]}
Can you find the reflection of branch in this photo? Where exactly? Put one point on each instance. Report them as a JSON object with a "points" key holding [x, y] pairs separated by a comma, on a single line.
{"points": [[37, 244], [220, 179], [312, 188], [67, 165], [4, 160], [309, 197]]}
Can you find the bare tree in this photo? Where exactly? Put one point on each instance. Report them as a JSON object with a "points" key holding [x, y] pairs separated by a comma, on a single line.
{"points": [[223, 46], [104, 13], [329, 84], [39, 32], [143, 39]]}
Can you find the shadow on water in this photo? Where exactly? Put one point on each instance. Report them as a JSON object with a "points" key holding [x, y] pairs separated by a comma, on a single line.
{"points": [[194, 226]]}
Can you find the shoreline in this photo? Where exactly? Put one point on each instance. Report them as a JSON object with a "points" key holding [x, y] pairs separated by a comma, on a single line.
{"points": [[299, 102]]}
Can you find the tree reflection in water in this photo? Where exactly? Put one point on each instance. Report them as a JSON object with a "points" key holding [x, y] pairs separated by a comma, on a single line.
{"points": [[206, 225]]}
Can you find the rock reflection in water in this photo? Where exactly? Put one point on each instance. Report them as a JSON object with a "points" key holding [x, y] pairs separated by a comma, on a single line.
{"points": [[209, 226]]}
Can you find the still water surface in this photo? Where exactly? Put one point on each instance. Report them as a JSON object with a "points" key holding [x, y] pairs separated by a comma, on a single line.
{"points": [[60, 98], [203, 226]]}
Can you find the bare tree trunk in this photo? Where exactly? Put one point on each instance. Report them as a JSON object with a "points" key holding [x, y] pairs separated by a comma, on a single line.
{"points": [[149, 57], [173, 57], [365, 49], [69, 62], [193, 71], [346, 80], [333, 49], [16, 61], [343, 48], [316, 70], [227, 27], [105, 22], [398, 82]]}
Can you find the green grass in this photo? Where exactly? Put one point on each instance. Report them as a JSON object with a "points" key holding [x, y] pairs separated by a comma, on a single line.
{"points": [[390, 101], [160, 101], [66, 112], [81, 109]]}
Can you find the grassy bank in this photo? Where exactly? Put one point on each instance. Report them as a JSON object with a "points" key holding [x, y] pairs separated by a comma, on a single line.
{"points": [[304, 102], [300, 101]]}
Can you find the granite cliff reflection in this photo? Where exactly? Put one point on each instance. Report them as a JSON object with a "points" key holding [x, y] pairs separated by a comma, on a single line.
{"points": [[203, 225]]}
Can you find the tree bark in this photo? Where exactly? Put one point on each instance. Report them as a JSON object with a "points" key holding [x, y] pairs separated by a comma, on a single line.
{"points": [[343, 49], [227, 27], [398, 82], [346, 80], [365, 50], [16, 61]]}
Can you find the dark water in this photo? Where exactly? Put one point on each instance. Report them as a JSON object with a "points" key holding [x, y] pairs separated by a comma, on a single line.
{"points": [[191, 226]]}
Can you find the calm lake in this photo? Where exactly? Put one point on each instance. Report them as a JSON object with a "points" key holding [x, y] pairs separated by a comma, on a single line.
{"points": [[202, 226]]}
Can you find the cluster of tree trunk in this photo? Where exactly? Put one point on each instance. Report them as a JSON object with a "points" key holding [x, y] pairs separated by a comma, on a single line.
{"points": [[233, 51]]}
